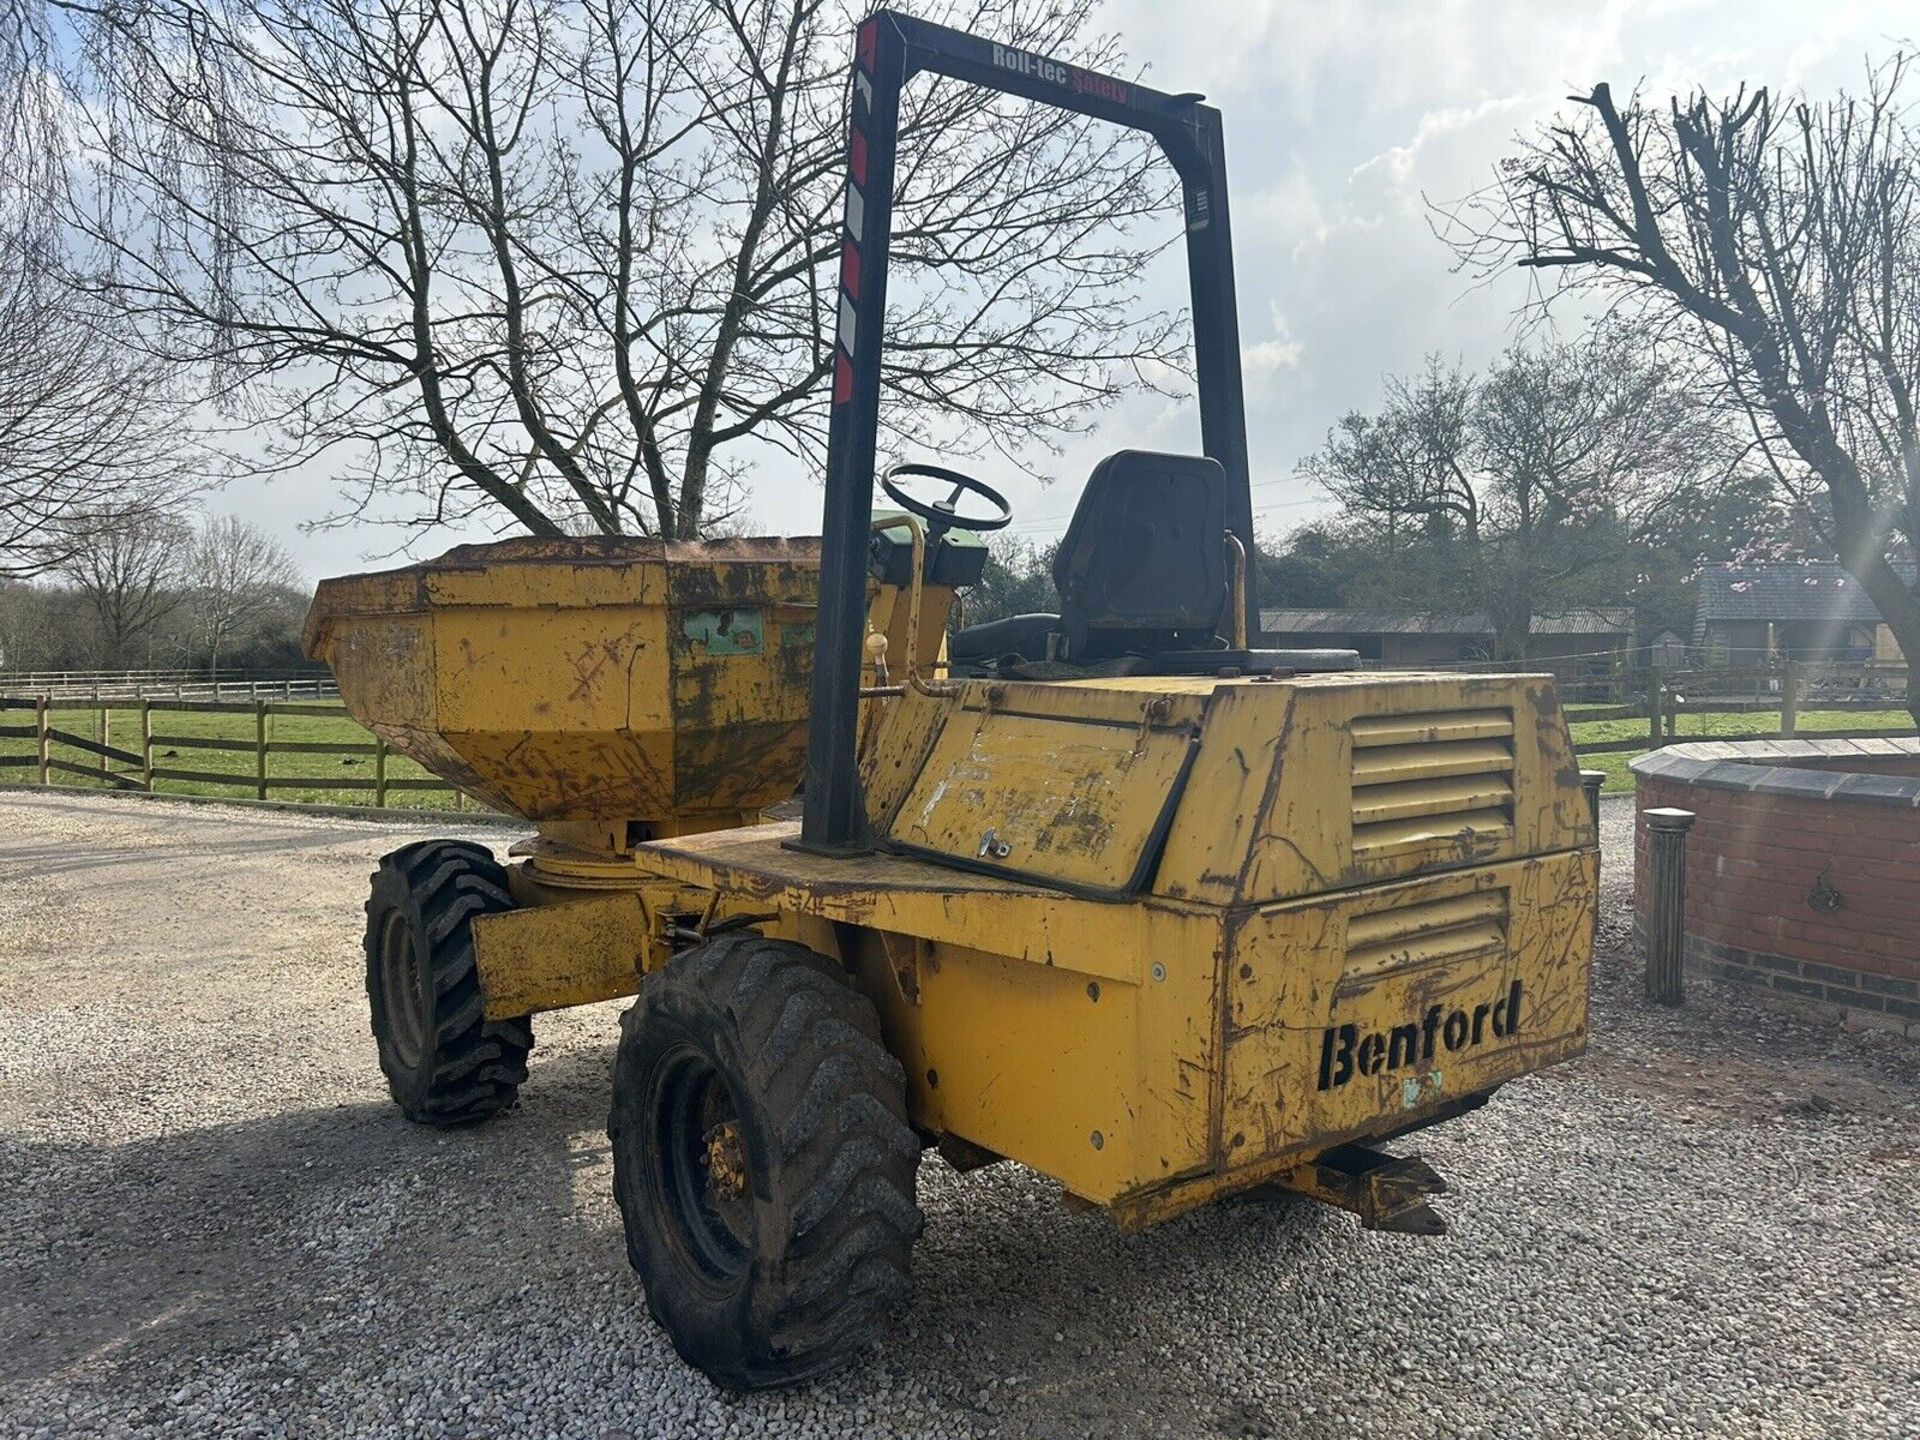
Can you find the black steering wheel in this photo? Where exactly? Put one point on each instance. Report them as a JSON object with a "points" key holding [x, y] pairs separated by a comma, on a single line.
{"points": [[944, 515]]}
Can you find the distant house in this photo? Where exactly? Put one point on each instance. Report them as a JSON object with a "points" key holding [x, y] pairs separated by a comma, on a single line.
{"points": [[1576, 645], [1788, 610]]}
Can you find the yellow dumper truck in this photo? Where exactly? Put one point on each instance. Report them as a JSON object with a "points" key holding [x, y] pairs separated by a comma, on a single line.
{"points": [[1107, 892]]}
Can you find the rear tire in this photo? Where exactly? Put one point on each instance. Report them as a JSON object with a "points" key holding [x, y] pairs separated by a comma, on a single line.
{"points": [[762, 1161], [444, 1063]]}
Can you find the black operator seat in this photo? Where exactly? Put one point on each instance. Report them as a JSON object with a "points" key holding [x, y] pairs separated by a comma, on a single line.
{"points": [[1143, 579], [1143, 565]]}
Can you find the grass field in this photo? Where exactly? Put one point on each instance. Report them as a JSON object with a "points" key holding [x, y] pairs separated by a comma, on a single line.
{"points": [[327, 724], [330, 725], [1696, 726]]}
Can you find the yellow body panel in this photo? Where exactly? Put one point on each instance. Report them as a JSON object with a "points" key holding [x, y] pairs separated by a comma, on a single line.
{"points": [[1087, 1078], [751, 871], [1135, 1023], [546, 956], [1396, 999], [1075, 802]]}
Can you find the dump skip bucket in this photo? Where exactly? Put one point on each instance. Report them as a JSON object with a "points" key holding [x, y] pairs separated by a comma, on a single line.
{"points": [[600, 679]]}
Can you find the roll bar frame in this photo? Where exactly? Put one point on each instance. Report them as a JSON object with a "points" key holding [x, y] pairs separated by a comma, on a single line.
{"points": [[889, 49]]}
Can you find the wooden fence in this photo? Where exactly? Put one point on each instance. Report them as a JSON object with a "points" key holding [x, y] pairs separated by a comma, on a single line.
{"points": [[1794, 689], [97, 685], [140, 769]]}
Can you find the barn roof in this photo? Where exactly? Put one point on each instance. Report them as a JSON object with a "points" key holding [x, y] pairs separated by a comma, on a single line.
{"points": [[1786, 591], [1585, 621]]}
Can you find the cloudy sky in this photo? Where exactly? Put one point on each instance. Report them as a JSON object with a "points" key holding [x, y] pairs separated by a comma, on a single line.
{"points": [[1341, 116]]}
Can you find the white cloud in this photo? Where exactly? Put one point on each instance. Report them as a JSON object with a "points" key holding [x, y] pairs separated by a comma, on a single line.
{"points": [[1267, 356], [1263, 359]]}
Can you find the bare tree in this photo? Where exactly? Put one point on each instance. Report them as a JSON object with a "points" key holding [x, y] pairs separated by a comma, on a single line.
{"points": [[89, 430], [92, 427], [132, 567], [1506, 489], [570, 263], [40, 628], [239, 575], [1403, 467], [1778, 238]]}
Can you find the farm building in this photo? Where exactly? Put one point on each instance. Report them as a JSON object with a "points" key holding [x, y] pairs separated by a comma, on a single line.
{"points": [[1788, 610], [1586, 646]]}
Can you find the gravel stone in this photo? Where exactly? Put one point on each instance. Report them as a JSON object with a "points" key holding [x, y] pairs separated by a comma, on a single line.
{"points": [[213, 1222]]}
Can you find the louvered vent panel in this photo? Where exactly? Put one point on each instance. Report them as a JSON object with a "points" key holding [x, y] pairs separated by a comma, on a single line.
{"points": [[1429, 782], [1434, 932]]}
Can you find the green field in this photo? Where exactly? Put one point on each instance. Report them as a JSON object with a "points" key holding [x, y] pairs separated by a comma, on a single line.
{"points": [[327, 724], [1697, 726]]}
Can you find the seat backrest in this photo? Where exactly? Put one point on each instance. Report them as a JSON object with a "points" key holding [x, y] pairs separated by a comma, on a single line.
{"points": [[1143, 564]]}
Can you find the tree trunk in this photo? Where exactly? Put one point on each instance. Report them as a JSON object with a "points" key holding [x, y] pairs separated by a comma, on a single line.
{"points": [[1512, 620], [684, 524], [1863, 556], [1903, 619], [1505, 587], [1510, 638]]}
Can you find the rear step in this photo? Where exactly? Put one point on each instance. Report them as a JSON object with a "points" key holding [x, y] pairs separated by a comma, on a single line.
{"points": [[1387, 1192]]}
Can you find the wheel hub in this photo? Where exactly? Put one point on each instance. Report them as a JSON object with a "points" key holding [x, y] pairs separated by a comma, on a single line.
{"points": [[726, 1161], [701, 1163]]}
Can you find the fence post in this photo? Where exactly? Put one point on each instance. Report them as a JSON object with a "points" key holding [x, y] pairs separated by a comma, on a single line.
{"points": [[1655, 690], [1667, 902], [106, 735], [1591, 781], [146, 744], [40, 734], [1790, 700], [379, 773], [260, 749]]}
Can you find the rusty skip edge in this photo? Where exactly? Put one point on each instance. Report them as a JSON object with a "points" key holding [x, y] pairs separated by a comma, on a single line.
{"points": [[769, 569]]}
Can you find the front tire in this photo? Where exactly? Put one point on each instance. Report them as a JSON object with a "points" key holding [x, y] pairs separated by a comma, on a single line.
{"points": [[444, 1063], [762, 1161]]}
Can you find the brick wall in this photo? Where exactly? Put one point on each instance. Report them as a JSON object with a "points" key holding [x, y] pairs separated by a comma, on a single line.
{"points": [[1753, 858]]}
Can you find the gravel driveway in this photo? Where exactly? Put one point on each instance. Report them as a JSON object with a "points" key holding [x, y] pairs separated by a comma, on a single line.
{"points": [[212, 1222]]}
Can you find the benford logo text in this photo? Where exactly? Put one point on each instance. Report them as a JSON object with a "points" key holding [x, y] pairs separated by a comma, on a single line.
{"points": [[1345, 1052]]}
